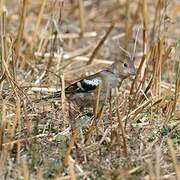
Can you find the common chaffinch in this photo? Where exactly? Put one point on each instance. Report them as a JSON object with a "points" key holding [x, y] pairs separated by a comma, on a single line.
{"points": [[84, 92]]}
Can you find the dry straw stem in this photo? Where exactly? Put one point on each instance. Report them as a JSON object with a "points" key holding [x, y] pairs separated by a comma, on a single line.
{"points": [[63, 97], [71, 163], [151, 170], [75, 35], [97, 107], [100, 44], [1, 6], [16, 119], [96, 113], [145, 19], [137, 74], [157, 68], [6, 55], [145, 22], [82, 16], [141, 69], [3, 124], [71, 145], [173, 156], [94, 125], [130, 24], [172, 106], [156, 20], [4, 151], [97, 100], [158, 159], [24, 170], [110, 112], [177, 90], [153, 101], [21, 27], [120, 125], [45, 39], [3, 40], [3, 159], [43, 5]]}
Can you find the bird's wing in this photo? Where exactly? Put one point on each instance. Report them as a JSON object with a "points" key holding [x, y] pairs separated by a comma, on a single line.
{"points": [[85, 85]]}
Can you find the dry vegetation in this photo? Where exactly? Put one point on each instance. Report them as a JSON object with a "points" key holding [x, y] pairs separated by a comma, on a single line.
{"points": [[44, 43]]}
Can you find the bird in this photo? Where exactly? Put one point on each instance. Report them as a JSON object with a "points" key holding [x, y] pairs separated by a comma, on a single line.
{"points": [[83, 93]]}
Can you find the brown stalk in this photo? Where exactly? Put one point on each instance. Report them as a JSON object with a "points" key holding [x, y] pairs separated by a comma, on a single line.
{"points": [[101, 42], [63, 98], [71, 163], [110, 112], [164, 59], [2, 125], [98, 100], [24, 169], [155, 20], [4, 152], [145, 22], [16, 119], [158, 159], [82, 16], [137, 74], [121, 128], [151, 170], [129, 24], [43, 5], [6, 58], [44, 40], [94, 124], [139, 109], [174, 159], [21, 28], [74, 35], [176, 94], [146, 57], [71, 145], [157, 69], [3, 40], [97, 109], [1, 6]]}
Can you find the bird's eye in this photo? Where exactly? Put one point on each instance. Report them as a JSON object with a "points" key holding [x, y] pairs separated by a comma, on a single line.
{"points": [[125, 65]]}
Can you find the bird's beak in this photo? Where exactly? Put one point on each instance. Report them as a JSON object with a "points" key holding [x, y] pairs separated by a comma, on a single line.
{"points": [[133, 71]]}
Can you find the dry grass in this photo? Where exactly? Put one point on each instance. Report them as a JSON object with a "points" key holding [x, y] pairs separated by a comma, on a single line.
{"points": [[46, 45]]}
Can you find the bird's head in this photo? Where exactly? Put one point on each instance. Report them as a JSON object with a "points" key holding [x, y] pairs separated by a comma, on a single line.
{"points": [[125, 67]]}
